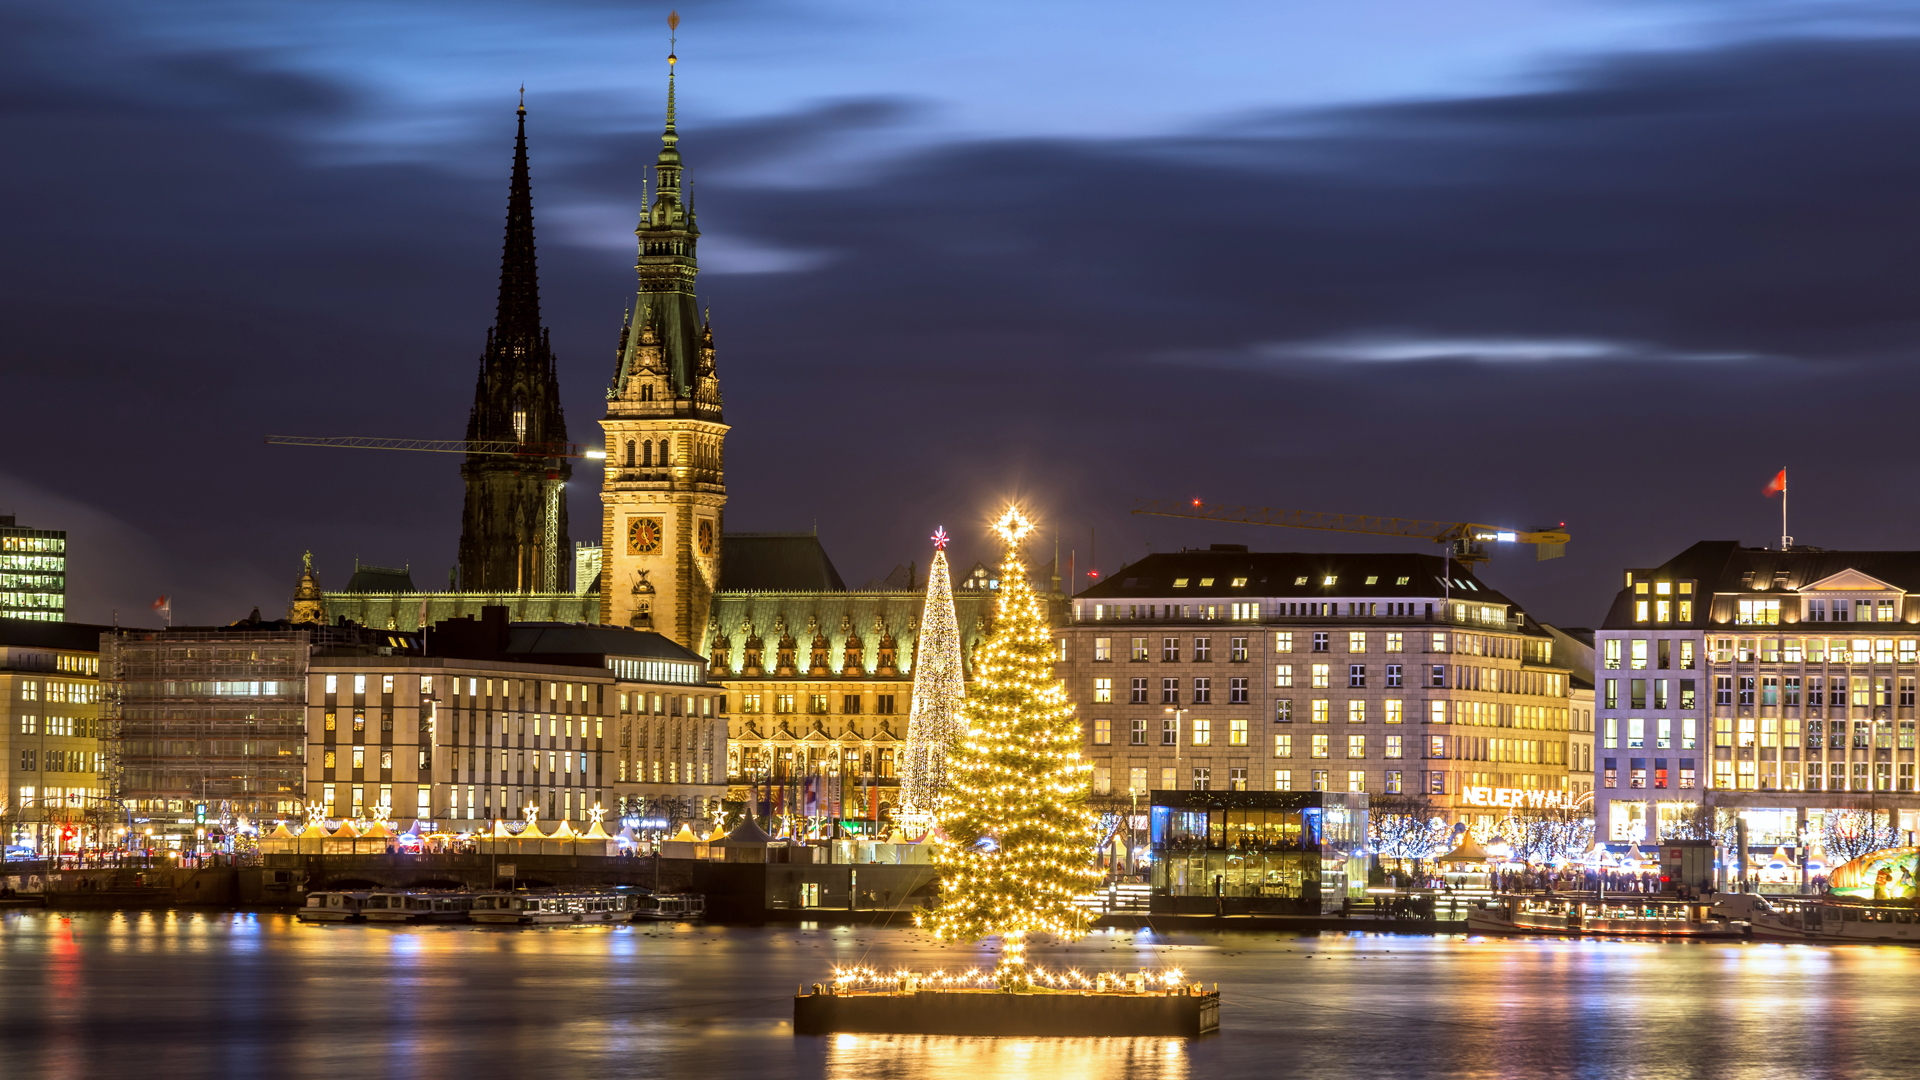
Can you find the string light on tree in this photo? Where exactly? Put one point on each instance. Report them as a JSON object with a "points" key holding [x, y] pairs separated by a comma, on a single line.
{"points": [[934, 726], [1019, 837]]}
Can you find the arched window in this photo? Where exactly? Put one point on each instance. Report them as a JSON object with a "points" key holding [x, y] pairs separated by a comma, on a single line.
{"points": [[646, 392], [629, 453], [663, 453], [646, 450]]}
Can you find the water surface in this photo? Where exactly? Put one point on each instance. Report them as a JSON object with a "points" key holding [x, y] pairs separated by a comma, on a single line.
{"points": [[194, 994]]}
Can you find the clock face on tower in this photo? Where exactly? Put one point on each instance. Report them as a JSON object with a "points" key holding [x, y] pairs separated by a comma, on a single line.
{"points": [[706, 537], [643, 536]]}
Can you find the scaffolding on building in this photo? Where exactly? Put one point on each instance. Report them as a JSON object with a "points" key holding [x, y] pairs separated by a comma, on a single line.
{"points": [[208, 717]]}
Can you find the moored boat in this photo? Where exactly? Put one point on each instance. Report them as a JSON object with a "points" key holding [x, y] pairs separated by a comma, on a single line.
{"points": [[1823, 918], [671, 907], [551, 908], [333, 907], [1610, 916], [416, 907]]}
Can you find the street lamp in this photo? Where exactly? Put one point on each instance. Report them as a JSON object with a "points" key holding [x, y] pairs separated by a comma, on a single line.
{"points": [[1177, 714]]}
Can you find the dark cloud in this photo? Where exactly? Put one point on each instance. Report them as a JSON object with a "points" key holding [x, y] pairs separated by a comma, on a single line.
{"points": [[1492, 308]]}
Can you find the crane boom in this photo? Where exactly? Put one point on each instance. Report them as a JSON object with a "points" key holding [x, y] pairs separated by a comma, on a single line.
{"points": [[1463, 535], [502, 447]]}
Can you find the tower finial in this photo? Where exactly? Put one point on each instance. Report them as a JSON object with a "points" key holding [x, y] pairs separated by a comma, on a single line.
{"points": [[523, 99]]}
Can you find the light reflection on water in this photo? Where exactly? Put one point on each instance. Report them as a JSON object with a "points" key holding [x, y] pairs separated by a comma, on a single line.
{"points": [[196, 993], [941, 1057]]}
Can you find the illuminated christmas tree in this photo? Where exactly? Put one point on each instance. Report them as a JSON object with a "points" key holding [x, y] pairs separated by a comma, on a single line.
{"points": [[1019, 837], [934, 727]]}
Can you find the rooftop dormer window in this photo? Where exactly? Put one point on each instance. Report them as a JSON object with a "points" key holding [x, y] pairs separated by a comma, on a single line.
{"points": [[1300, 580], [1179, 583], [1206, 582], [1401, 580], [1373, 579], [1239, 583], [1331, 579]]}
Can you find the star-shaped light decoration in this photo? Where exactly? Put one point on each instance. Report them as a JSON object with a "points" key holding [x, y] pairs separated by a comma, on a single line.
{"points": [[533, 813], [381, 812], [940, 538], [316, 813], [1013, 526], [598, 812]]}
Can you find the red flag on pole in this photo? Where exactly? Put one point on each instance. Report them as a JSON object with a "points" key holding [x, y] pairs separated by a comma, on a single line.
{"points": [[1777, 485]]}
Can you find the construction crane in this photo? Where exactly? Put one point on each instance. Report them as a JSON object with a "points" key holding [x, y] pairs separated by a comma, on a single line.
{"points": [[1465, 538], [551, 453]]}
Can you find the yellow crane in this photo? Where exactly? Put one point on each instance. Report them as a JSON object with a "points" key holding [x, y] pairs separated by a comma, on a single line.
{"points": [[1466, 538]]}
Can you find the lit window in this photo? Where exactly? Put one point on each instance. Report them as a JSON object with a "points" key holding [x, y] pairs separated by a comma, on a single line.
{"points": [[1239, 583], [1179, 583], [1357, 641], [1331, 580], [1283, 746], [1373, 579], [1321, 710], [1205, 582], [1322, 677], [1321, 744], [1237, 732], [1202, 732], [1356, 712], [1356, 746]]}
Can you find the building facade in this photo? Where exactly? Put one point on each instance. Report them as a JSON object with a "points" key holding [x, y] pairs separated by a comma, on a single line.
{"points": [[492, 718], [33, 572], [54, 779], [1775, 686], [664, 493], [514, 524], [1394, 675]]}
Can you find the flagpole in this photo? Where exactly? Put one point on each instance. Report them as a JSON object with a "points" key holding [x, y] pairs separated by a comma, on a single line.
{"points": [[1785, 540]]}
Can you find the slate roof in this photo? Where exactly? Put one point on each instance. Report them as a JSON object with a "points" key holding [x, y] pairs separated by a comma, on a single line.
{"points": [[380, 579], [1724, 568], [583, 639], [776, 562], [38, 634], [1281, 574]]}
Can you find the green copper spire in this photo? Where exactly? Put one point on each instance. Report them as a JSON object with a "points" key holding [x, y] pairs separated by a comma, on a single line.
{"points": [[667, 265], [668, 163]]}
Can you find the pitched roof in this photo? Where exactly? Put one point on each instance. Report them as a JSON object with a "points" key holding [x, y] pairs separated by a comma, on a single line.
{"points": [[584, 639], [776, 562], [36, 633], [1291, 573], [1723, 567], [380, 579]]}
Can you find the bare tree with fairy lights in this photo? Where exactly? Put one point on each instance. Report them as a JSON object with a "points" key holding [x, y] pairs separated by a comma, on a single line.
{"points": [[939, 688], [1019, 835]]}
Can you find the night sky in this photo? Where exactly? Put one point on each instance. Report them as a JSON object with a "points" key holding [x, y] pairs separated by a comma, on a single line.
{"points": [[1607, 263]]}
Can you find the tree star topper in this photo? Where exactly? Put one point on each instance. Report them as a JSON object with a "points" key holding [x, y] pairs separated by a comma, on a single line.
{"points": [[1013, 526], [940, 538]]}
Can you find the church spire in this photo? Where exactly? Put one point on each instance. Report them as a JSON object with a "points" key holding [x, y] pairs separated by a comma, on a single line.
{"points": [[519, 314]]}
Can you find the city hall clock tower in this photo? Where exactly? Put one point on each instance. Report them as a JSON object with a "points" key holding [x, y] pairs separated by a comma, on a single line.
{"points": [[665, 486]]}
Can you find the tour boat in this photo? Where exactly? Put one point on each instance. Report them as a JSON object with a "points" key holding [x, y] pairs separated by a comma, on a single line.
{"points": [[1822, 919], [416, 907], [552, 908], [333, 907], [1623, 916], [671, 907]]}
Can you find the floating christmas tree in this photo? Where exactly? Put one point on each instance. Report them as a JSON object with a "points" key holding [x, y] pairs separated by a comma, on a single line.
{"points": [[939, 687], [1019, 837]]}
